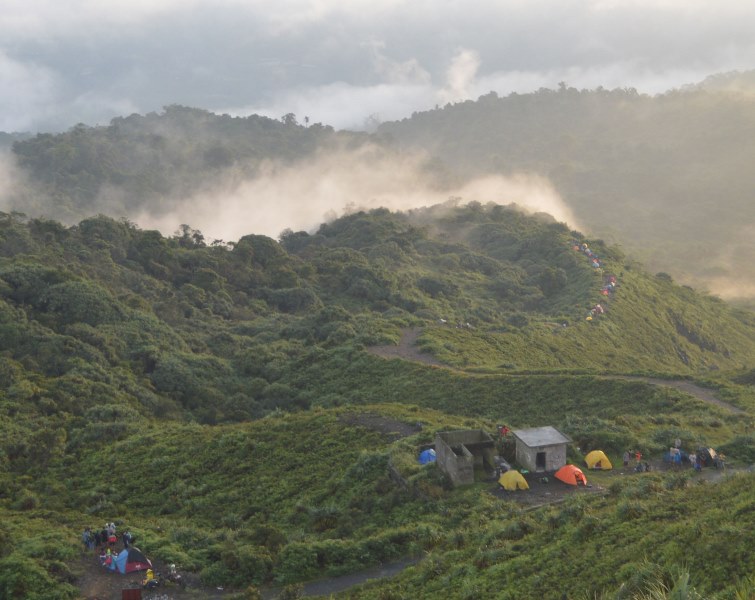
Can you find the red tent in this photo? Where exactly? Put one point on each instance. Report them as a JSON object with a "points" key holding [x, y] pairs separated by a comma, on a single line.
{"points": [[571, 475]]}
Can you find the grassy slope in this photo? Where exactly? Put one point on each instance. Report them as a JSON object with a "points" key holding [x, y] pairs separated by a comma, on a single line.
{"points": [[587, 546], [238, 504], [651, 325], [299, 495]]}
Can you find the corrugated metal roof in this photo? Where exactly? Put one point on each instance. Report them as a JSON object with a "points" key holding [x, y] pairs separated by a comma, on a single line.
{"points": [[541, 436]]}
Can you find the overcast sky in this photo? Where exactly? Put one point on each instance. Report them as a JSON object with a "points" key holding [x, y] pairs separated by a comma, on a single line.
{"points": [[340, 62]]}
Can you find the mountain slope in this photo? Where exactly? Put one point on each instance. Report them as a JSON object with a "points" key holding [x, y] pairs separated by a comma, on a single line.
{"points": [[667, 176], [220, 400]]}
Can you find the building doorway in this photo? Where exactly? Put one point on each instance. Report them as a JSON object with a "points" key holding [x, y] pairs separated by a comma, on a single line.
{"points": [[540, 461]]}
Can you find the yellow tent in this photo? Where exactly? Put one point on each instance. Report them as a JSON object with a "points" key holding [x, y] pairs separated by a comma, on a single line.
{"points": [[513, 480], [598, 460]]}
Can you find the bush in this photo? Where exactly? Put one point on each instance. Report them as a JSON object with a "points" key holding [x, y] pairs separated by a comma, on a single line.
{"points": [[26, 500], [22, 577], [741, 449]]}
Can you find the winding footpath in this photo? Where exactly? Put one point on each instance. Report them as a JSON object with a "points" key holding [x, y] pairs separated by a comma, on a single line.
{"points": [[407, 350]]}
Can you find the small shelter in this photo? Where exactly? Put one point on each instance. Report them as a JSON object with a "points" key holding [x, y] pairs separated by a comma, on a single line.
{"points": [[513, 480], [130, 560], [458, 452], [571, 475], [541, 448], [598, 460]]}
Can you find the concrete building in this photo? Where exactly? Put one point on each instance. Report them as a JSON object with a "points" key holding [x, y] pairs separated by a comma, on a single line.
{"points": [[458, 452], [541, 448]]}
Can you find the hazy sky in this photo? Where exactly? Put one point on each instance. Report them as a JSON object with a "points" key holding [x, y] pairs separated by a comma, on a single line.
{"points": [[340, 62]]}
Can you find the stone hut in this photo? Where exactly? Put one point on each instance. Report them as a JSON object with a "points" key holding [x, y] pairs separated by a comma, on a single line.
{"points": [[458, 452], [541, 448]]}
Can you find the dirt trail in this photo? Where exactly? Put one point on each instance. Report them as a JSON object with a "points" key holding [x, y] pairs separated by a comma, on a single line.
{"points": [[704, 394], [333, 585], [97, 583], [407, 350]]}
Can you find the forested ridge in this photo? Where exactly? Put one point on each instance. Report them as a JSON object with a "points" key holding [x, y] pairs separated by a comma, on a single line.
{"points": [[178, 385], [152, 161], [667, 177]]}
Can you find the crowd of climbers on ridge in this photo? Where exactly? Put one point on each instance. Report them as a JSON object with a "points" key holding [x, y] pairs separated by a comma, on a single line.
{"points": [[610, 283]]}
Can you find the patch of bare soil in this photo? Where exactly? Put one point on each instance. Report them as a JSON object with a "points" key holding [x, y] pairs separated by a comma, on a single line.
{"points": [[553, 491], [97, 583], [406, 349], [542, 493], [391, 428]]}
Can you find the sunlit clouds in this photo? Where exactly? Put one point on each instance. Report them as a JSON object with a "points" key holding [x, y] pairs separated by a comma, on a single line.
{"points": [[84, 61]]}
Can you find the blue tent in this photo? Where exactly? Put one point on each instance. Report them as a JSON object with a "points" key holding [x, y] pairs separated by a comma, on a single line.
{"points": [[427, 456], [130, 560]]}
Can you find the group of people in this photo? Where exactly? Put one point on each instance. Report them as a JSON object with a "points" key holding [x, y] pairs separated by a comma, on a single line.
{"points": [[609, 281], [639, 465], [105, 540], [99, 537]]}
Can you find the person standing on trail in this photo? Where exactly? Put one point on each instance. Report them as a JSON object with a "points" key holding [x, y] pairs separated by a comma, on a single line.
{"points": [[638, 456], [86, 538]]}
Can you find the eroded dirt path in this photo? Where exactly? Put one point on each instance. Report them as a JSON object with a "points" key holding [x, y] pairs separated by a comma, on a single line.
{"points": [[408, 350], [701, 393]]}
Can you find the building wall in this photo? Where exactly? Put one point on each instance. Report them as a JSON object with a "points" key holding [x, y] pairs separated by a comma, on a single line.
{"points": [[555, 456], [459, 468], [474, 447]]}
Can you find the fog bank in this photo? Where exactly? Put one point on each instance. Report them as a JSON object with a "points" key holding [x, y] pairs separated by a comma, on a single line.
{"points": [[303, 196]]}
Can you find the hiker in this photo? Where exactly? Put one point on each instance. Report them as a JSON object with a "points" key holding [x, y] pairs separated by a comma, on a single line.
{"points": [[126, 538], [111, 540], [86, 538], [108, 561], [149, 580], [677, 443], [103, 535], [638, 456], [627, 458], [647, 467], [111, 529]]}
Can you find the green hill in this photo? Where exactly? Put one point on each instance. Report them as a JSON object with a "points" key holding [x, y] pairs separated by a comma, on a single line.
{"points": [[665, 176], [156, 160], [668, 176], [223, 401]]}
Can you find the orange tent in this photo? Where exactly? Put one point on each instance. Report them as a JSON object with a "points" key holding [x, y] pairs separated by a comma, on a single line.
{"points": [[571, 475]]}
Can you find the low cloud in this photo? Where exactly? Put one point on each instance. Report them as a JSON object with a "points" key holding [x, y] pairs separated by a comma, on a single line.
{"points": [[301, 197], [460, 76]]}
